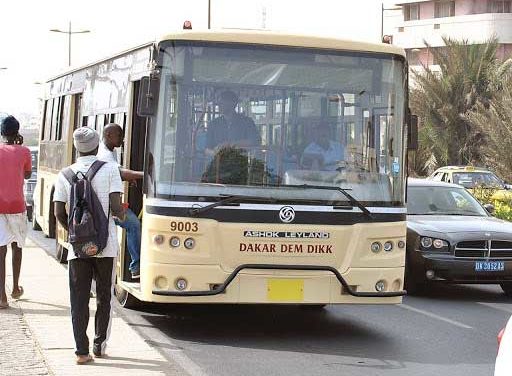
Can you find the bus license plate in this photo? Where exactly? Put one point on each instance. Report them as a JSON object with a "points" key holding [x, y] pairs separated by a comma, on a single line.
{"points": [[489, 266], [285, 290]]}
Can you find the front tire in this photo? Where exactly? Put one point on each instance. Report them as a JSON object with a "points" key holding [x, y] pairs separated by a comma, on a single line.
{"points": [[413, 286], [61, 254], [125, 299], [507, 288]]}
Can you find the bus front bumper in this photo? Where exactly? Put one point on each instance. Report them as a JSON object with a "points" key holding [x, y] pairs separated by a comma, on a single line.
{"points": [[265, 283]]}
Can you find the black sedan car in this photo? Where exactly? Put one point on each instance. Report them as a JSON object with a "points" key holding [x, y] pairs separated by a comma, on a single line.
{"points": [[452, 238]]}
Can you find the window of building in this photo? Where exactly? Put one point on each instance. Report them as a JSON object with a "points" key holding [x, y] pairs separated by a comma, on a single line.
{"points": [[444, 9], [502, 6], [411, 12]]}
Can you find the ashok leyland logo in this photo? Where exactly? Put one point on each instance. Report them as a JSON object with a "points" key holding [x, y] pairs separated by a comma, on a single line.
{"points": [[286, 214]]}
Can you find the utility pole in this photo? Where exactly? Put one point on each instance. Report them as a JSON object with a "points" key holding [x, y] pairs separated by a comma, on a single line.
{"points": [[69, 32], [209, 14]]}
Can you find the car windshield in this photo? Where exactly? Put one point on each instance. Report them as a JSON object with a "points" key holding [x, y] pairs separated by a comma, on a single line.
{"points": [[473, 179], [250, 121], [442, 201]]}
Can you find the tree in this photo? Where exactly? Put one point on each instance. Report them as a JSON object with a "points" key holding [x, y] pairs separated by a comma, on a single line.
{"points": [[495, 120], [470, 75]]}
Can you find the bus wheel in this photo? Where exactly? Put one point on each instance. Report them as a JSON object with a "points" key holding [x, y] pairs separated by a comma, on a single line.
{"points": [[61, 254], [507, 288], [35, 225], [126, 299], [313, 307]]}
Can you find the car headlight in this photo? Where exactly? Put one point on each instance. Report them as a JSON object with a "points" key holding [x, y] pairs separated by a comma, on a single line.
{"points": [[433, 244]]}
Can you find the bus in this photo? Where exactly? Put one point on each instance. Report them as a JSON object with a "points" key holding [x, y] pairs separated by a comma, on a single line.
{"points": [[295, 197]]}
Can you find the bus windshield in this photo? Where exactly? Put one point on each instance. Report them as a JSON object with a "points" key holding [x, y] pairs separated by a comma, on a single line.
{"points": [[255, 121]]}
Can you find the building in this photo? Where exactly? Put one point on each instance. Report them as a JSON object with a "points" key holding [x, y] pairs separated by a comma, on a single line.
{"points": [[474, 20]]}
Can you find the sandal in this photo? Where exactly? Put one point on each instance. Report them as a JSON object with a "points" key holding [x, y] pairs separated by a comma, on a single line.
{"points": [[17, 294], [83, 359]]}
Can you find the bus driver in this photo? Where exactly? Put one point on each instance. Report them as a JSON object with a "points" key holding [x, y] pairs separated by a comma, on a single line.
{"points": [[323, 153]]}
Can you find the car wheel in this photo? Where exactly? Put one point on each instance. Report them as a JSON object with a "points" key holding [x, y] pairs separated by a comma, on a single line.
{"points": [[61, 254], [413, 286], [126, 299], [507, 288]]}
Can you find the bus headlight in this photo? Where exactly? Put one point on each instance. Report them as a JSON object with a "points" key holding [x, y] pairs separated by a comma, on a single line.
{"points": [[181, 284], [158, 239], [388, 246], [189, 243], [380, 286], [401, 244], [175, 242], [376, 247]]}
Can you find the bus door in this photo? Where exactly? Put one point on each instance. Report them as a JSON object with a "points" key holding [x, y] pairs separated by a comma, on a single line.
{"points": [[134, 150]]}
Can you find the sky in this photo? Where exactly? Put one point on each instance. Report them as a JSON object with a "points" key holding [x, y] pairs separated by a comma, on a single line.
{"points": [[32, 54]]}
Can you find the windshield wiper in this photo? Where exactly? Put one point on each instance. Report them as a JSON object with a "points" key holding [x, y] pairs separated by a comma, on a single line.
{"points": [[226, 199], [353, 201]]}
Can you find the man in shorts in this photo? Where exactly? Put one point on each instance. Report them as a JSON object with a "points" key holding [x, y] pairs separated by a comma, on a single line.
{"points": [[16, 165]]}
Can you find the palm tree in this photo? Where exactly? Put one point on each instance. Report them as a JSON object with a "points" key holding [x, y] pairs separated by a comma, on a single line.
{"points": [[496, 121], [469, 74]]}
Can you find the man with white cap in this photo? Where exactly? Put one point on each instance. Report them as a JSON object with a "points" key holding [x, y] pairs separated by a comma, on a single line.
{"points": [[107, 185]]}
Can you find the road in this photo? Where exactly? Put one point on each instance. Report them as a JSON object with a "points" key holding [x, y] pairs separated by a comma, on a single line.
{"points": [[449, 331]]}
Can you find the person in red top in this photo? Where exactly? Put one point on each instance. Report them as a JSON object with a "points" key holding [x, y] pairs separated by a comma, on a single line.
{"points": [[16, 165]]}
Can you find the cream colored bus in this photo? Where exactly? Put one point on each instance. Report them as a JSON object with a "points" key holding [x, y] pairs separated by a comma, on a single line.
{"points": [[274, 165]]}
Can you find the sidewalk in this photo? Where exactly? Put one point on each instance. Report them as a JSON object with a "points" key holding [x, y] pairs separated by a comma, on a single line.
{"points": [[36, 337]]}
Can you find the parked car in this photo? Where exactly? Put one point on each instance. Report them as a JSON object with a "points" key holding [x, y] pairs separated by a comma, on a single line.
{"points": [[452, 238], [471, 177], [503, 365], [30, 184]]}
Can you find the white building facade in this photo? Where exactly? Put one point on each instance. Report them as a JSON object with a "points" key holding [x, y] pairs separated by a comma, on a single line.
{"points": [[472, 20]]}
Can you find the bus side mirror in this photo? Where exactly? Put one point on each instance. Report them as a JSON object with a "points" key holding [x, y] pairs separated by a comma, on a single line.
{"points": [[412, 133], [148, 96]]}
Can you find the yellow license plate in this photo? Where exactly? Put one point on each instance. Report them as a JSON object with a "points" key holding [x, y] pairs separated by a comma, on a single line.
{"points": [[285, 290]]}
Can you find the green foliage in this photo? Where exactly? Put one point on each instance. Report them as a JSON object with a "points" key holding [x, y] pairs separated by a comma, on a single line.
{"points": [[503, 210], [496, 121], [469, 77]]}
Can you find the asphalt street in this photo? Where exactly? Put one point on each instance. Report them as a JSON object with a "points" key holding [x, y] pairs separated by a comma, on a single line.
{"points": [[450, 331]]}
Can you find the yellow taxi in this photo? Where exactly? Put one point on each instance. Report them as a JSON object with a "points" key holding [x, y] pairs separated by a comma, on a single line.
{"points": [[471, 177]]}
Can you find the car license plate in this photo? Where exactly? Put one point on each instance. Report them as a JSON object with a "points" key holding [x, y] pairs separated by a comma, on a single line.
{"points": [[489, 266], [285, 290]]}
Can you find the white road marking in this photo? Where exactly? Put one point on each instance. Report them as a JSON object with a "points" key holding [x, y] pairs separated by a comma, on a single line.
{"points": [[506, 307], [434, 316]]}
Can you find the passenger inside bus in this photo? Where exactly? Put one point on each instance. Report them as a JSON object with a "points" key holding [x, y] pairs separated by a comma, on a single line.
{"points": [[113, 137], [323, 153], [231, 128]]}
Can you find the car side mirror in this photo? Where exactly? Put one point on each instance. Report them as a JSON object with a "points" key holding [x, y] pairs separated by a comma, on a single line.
{"points": [[412, 132], [489, 208], [148, 96]]}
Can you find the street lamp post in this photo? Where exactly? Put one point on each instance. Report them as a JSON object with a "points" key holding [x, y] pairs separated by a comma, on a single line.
{"points": [[69, 32], [209, 14], [382, 9]]}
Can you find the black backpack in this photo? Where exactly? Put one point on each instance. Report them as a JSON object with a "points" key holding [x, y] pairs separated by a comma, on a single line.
{"points": [[87, 222]]}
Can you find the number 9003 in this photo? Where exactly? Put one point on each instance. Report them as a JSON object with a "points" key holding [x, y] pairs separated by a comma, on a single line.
{"points": [[184, 226]]}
